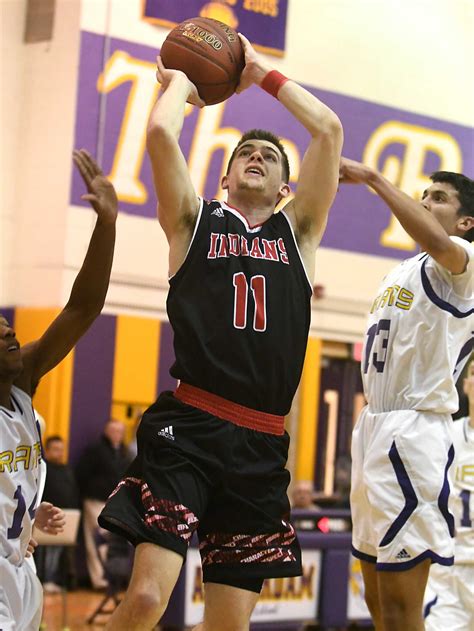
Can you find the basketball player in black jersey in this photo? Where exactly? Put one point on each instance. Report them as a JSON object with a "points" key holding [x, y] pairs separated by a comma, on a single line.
{"points": [[212, 455]]}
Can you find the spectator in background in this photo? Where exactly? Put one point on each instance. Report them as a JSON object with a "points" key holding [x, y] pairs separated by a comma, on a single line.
{"points": [[56, 563], [302, 496], [342, 482], [132, 445], [98, 473]]}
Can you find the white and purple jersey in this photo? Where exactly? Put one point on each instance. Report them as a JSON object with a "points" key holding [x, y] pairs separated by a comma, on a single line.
{"points": [[20, 475], [462, 491], [420, 335]]}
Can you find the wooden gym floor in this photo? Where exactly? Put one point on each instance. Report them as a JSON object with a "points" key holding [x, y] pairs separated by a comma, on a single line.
{"points": [[80, 605]]}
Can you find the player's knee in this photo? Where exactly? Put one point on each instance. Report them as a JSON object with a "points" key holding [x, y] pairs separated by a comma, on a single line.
{"points": [[151, 603], [398, 612]]}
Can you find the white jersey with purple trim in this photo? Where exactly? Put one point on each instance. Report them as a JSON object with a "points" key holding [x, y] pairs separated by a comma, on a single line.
{"points": [[20, 475], [462, 491], [420, 335]]}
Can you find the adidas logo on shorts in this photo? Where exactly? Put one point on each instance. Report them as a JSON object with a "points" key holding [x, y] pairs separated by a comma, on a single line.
{"points": [[218, 212], [403, 554], [167, 432]]}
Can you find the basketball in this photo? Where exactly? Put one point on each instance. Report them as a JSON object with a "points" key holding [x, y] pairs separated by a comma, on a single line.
{"points": [[209, 53]]}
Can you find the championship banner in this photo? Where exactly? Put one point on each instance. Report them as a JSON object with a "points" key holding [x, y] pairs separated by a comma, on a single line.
{"points": [[117, 89], [262, 21], [281, 599]]}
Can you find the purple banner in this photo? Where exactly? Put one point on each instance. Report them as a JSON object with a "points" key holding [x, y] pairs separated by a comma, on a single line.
{"points": [[263, 22], [117, 89]]}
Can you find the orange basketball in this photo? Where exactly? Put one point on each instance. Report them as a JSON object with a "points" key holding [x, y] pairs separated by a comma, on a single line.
{"points": [[210, 54]]}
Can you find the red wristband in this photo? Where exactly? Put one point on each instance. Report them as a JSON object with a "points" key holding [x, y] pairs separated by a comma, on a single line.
{"points": [[273, 81]]}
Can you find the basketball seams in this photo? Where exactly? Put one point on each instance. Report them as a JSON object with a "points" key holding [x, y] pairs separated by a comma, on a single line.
{"points": [[212, 61], [217, 30], [199, 52]]}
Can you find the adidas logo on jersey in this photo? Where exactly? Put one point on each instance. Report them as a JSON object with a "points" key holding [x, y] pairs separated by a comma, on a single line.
{"points": [[403, 554], [218, 212], [167, 432]]}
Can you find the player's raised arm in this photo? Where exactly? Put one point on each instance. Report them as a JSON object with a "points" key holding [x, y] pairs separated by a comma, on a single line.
{"points": [[419, 219], [319, 172], [177, 200], [90, 287]]}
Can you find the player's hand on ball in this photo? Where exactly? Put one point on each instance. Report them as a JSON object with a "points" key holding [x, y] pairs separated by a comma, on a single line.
{"points": [[255, 68], [165, 75], [32, 545], [100, 191], [49, 518]]}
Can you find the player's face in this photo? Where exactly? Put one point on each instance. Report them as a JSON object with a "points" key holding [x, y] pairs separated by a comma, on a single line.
{"points": [[468, 383], [442, 200], [10, 357], [257, 166]]}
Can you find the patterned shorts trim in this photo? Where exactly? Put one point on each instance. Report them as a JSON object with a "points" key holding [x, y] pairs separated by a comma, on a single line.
{"points": [[166, 515], [229, 548]]}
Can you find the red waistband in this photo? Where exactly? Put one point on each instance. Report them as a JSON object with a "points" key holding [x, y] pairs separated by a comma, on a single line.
{"points": [[229, 411]]}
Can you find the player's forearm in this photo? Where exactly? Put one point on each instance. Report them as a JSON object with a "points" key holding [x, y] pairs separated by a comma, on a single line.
{"points": [[415, 219], [167, 115], [312, 113], [91, 284]]}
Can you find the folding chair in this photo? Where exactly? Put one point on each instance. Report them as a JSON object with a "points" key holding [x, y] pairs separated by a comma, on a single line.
{"points": [[66, 538], [117, 565]]}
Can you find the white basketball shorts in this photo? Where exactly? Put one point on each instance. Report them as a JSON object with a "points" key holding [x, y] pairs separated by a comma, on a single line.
{"points": [[400, 489], [449, 598], [21, 597]]}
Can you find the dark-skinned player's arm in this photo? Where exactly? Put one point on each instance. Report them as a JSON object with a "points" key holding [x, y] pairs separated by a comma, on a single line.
{"points": [[90, 287], [178, 203], [419, 223], [319, 171]]}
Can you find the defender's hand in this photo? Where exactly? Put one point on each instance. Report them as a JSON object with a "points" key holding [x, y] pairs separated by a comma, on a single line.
{"points": [[101, 193], [49, 518], [32, 545], [352, 172]]}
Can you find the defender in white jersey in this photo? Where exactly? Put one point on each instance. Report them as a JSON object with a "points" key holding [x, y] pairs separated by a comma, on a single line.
{"points": [[20, 441], [449, 601], [419, 337]]}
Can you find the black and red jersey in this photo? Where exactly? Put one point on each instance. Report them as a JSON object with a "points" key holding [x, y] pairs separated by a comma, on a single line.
{"points": [[240, 309]]}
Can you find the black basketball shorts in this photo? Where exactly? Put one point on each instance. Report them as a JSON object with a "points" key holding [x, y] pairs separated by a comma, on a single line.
{"points": [[197, 472]]}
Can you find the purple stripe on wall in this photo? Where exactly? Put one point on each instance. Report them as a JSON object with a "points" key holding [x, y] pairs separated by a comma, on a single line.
{"points": [[89, 135], [357, 218], [165, 380], [92, 388]]}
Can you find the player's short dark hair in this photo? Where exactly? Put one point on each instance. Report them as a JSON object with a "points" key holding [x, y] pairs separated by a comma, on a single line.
{"points": [[464, 187], [263, 134], [53, 439]]}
